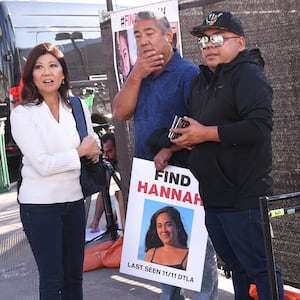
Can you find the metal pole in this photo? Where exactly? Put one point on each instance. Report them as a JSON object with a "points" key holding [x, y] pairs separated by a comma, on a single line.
{"points": [[111, 225], [109, 5], [268, 245], [4, 174]]}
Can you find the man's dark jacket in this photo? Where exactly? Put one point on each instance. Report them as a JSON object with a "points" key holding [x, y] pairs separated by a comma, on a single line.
{"points": [[235, 172]]}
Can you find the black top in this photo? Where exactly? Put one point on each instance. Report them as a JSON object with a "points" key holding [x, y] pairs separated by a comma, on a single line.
{"points": [[237, 98], [178, 266]]}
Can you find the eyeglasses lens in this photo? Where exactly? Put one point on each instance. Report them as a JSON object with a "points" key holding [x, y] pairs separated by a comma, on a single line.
{"points": [[216, 39]]}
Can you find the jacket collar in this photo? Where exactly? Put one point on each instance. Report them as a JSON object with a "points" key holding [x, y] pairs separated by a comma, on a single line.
{"points": [[246, 56]]}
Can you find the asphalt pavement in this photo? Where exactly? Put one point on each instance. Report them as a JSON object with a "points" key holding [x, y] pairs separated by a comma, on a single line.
{"points": [[19, 276]]}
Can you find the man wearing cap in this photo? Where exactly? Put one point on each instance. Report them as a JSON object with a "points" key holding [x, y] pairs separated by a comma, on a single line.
{"points": [[230, 115]]}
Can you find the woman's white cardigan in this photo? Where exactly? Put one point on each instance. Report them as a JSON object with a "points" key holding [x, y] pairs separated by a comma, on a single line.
{"points": [[51, 165]]}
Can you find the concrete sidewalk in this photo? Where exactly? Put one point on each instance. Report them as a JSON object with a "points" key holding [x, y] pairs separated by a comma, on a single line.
{"points": [[19, 276]]}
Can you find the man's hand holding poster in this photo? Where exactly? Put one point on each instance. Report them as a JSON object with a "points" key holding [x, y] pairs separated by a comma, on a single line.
{"points": [[165, 236]]}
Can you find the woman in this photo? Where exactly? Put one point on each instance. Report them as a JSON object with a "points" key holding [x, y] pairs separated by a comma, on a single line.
{"points": [[50, 195], [166, 239], [125, 59]]}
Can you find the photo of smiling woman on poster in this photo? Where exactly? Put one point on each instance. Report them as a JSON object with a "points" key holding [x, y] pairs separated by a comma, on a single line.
{"points": [[166, 239]]}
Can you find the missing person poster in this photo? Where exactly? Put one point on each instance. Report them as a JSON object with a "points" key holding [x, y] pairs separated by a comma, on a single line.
{"points": [[124, 45], [165, 236]]}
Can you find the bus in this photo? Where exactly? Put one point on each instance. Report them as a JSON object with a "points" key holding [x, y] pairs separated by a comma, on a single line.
{"points": [[10, 73], [75, 28]]}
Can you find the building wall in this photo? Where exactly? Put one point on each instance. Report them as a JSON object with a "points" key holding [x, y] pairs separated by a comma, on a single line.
{"points": [[273, 27]]}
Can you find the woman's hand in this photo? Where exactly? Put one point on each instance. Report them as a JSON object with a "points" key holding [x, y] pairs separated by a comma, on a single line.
{"points": [[89, 148]]}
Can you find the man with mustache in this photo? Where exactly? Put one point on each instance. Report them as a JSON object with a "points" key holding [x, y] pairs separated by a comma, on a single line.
{"points": [[155, 91]]}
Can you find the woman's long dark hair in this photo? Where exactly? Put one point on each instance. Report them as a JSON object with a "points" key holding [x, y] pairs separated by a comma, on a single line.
{"points": [[153, 241], [30, 93]]}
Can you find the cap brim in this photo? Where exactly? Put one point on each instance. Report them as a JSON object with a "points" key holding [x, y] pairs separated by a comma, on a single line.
{"points": [[198, 31]]}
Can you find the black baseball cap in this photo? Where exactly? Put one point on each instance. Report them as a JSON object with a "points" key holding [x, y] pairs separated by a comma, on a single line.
{"points": [[219, 19]]}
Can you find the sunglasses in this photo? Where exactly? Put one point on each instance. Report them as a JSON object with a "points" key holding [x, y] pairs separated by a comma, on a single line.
{"points": [[216, 39]]}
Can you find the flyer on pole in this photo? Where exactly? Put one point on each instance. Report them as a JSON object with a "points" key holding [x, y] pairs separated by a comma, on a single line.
{"points": [[124, 45]]}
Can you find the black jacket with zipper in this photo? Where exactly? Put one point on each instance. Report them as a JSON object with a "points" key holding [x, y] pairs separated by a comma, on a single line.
{"points": [[237, 98]]}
